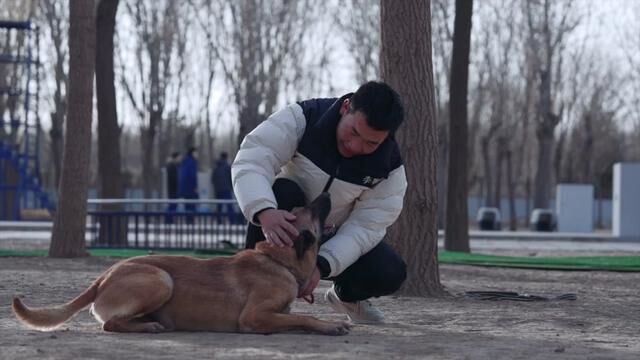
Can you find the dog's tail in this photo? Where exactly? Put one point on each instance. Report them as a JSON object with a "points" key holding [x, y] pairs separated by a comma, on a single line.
{"points": [[49, 318]]}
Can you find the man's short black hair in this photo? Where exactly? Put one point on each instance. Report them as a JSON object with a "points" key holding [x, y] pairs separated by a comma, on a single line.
{"points": [[224, 155], [380, 104]]}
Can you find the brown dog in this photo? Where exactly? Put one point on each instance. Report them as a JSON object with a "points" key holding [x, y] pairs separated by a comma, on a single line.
{"points": [[249, 292]]}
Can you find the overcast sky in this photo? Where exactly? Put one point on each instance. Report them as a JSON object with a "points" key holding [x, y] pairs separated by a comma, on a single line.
{"points": [[612, 23]]}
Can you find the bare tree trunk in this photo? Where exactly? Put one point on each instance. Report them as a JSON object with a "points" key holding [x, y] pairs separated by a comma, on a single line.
{"points": [[488, 172], [406, 64], [443, 155], [108, 129], [542, 192], [600, 199], [587, 153], [57, 143], [109, 160], [157, 31], [527, 205], [547, 122], [496, 192], [56, 19], [474, 125], [548, 28], [558, 156], [523, 162], [511, 187], [68, 235], [457, 226], [209, 133], [148, 167]]}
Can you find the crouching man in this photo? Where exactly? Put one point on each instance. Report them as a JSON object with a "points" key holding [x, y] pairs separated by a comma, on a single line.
{"points": [[344, 146]]}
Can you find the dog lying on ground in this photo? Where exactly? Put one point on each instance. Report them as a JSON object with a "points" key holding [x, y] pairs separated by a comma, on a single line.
{"points": [[250, 292]]}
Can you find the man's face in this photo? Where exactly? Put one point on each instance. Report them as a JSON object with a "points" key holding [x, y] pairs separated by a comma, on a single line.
{"points": [[354, 136]]}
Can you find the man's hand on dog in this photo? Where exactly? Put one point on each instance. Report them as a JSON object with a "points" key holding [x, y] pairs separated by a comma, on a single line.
{"points": [[277, 227]]}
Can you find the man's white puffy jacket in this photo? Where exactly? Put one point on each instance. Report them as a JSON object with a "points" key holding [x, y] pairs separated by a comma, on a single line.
{"points": [[299, 143]]}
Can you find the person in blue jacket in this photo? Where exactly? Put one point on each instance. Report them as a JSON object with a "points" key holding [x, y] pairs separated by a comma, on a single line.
{"points": [[222, 186], [188, 181]]}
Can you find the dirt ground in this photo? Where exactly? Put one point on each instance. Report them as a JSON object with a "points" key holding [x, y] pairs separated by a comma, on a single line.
{"points": [[603, 323]]}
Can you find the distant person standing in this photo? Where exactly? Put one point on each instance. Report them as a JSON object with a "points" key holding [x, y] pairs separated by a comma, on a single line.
{"points": [[189, 181], [221, 181], [172, 182]]}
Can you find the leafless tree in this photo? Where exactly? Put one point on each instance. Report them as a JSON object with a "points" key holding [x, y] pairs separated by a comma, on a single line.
{"points": [[68, 234], [442, 35], [11, 74], [406, 64], [258, 41], [109, 161], [109, 177], [498, 54], [359, 23], [210, 34], [597, 108], [157, 31], [506, 97], [55, 15], [457, 223], [549, 25], [630, 44], [177, 77]]}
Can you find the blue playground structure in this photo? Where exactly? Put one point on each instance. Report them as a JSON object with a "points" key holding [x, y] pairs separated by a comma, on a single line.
{"points": [[20, 131]]}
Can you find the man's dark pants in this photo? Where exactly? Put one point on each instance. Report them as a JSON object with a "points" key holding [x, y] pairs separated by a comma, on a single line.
{"points": [[379, 272]]}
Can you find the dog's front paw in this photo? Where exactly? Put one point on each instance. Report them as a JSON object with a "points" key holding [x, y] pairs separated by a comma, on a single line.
{"points": [[338, 328], [154, 327]]}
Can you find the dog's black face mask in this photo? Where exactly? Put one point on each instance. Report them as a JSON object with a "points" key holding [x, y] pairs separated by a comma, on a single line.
{"points": [[304, 242], [310, 223]]}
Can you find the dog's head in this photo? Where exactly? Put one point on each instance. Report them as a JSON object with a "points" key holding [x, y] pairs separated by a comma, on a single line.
{"points": [[310, 224]]}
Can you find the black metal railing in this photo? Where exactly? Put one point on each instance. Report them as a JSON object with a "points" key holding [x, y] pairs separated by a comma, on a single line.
{"points": [[165, 224]]}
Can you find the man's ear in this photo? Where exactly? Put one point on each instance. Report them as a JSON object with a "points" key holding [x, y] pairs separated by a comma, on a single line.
{"points": [[344, 108], [304, 241]]}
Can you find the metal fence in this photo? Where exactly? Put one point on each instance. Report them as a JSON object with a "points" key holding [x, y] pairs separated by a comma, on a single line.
{"points": [[165, 224]]}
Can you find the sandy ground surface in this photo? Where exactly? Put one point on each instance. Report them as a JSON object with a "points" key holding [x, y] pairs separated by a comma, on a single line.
{"points": [[603, 323]]}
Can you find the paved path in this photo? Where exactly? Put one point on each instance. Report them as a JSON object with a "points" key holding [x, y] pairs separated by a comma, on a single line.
{"points": [[29, 235]]}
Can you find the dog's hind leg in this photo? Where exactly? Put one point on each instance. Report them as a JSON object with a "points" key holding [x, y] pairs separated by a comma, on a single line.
{"points": [[129, 292]]}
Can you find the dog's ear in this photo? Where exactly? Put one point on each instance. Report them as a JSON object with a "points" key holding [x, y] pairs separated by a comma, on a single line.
{"points": [[304, 241]]}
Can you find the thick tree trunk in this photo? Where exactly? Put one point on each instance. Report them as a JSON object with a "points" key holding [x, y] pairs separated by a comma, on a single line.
{"points": [[68, 235], [547, 122], [406, 64], [542, 187], [109, 160], [457, 223], [56, 136]]}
